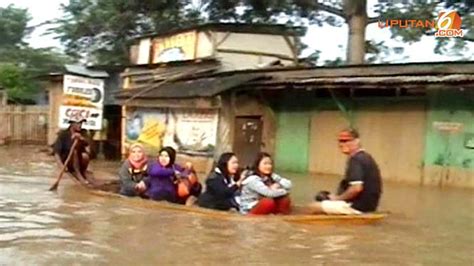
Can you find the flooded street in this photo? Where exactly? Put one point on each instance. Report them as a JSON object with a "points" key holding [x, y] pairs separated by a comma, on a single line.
{"points": [[427, 226]]}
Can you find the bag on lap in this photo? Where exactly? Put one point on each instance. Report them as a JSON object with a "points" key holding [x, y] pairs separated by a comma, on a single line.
{"points": [[322, 195]]}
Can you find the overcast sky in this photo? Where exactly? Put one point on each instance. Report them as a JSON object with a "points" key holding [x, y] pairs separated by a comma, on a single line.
{"points": [[331, 41]]}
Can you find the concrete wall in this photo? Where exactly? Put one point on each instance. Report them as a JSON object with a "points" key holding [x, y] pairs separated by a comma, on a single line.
{"points": [[447, 160], [144, 51], [249, 105], [231, 107], [324, 156], [232, 61], [254, 42], [244, 105], [205, 45], [292, 141], [293, 132], [209, 44], [245, 42], [392, 131]]}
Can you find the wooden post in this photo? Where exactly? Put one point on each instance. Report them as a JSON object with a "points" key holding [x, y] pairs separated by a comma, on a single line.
{"points": [[3, 128], [3, 98], [12, 122], [126, 85], [293, 48]]}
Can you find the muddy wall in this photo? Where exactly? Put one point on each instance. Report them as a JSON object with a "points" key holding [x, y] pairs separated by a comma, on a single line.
{"points": [[449, 153], [245, 104]]}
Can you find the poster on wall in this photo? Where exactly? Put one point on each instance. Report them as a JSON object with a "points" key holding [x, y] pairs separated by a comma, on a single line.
{"points": [[147, 126], [192, 132], [177, 47], [83, 98]]}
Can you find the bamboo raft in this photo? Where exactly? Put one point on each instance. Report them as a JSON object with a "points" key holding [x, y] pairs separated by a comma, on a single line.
{"points": [[109, 190]]}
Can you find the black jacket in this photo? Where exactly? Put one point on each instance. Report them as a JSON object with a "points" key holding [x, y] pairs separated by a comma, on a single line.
{"points": [[63, 144], [219, 194]]}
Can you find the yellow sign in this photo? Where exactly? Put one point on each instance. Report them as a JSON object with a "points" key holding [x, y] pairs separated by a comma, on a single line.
{"points": [[152, 133], [177, 47], [148, 127]]}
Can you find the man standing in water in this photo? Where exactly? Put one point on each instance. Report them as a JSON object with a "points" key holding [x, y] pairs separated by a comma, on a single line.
{"points": [[361, 187], [63, 144]]}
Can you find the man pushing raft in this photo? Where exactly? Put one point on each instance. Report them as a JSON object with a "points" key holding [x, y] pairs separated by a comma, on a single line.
{"points": [[81, 154]]}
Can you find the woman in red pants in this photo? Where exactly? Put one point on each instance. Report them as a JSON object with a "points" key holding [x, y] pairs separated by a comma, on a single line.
{"points": [[265, 192]]}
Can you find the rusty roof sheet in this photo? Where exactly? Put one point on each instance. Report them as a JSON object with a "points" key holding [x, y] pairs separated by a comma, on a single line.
{"points": [[193, 88], [454, 78], [372, 70]]}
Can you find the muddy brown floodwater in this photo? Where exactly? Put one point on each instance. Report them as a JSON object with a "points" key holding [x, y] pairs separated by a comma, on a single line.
{"points": [[428, 226]]}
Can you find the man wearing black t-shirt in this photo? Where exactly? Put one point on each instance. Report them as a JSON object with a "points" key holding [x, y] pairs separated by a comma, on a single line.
{"points": [[361, 187]]}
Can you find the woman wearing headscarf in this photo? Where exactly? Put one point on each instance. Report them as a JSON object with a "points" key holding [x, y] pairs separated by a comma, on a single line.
{"points": [[163, 174], [134, 172], [221, 189]]}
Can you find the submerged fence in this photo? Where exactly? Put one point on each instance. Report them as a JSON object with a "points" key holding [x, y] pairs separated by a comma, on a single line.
{"points": [[24, 124]]}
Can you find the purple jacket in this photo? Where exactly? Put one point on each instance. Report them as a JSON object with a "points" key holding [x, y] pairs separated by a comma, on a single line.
{"points": [[161, 185]]}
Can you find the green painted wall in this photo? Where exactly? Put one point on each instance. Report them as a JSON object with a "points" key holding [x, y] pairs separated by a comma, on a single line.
{"points": [[292, 137], [294, 122], [294, 114], [292, 141], [449, 149]]}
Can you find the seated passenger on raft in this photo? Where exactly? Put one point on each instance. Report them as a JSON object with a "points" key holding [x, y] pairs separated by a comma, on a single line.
{"points": [[163, 174], [221, 188], [265, 192], [133, 173], [360, 189], [188, 187]]}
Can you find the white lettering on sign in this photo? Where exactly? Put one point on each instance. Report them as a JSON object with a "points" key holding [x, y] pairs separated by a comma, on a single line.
{"points": [[93, 116], [448, 126], [83, 98], [77, 90]]}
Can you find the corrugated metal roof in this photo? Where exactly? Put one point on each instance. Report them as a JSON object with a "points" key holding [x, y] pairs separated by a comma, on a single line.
{"points": [[205, 80], [405, 69], [142, 78], [202, 87], [454, 78], [83, 71]]}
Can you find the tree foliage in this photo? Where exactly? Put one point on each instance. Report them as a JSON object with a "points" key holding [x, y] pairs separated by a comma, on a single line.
{"points": [[12, 78], [341, 12], [101, 30], [429, 11], [13, 22], [19, 63]]}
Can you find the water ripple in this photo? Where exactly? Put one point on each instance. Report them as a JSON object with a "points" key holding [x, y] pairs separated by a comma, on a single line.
{"points": [[29, 217], [43, 233]]}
